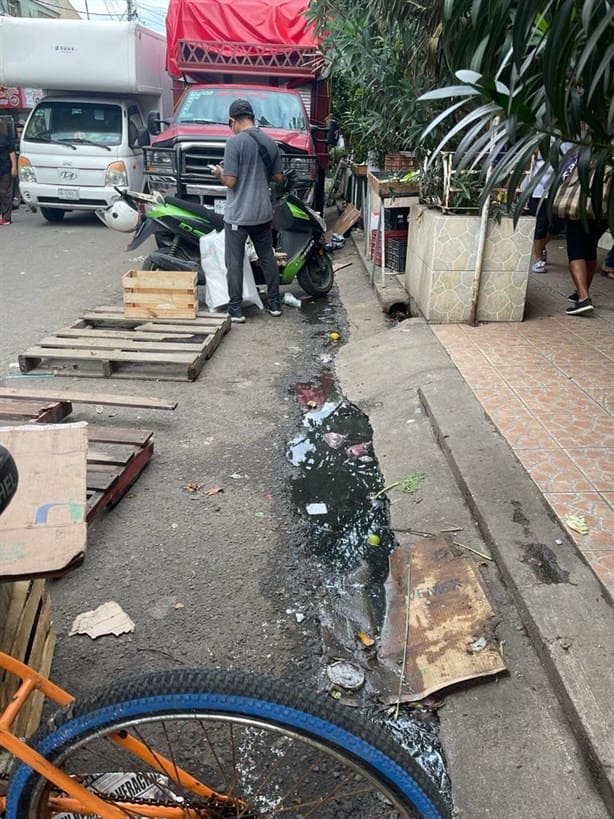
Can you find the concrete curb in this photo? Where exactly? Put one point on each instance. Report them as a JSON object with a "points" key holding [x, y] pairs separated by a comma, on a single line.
{"points": [[566, 612]]}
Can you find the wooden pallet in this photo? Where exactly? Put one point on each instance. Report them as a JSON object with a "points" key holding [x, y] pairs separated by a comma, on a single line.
{"points": [[26, 633], [115, 459], [105, 343], [13, 411]]}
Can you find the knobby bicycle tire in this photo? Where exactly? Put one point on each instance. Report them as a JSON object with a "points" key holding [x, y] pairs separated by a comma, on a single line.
{"points": [[280, 747]]}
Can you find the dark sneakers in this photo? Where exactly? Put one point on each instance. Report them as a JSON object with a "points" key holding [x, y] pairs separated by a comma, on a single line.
{"points": [[579, 306], [274, 309], [236, 316]]}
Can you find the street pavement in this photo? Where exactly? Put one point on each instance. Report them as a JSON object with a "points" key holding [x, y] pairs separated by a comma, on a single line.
{"points": [[508, 404], [219, 580]]}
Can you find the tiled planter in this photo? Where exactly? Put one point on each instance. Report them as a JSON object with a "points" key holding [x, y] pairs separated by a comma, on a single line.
{"points": [[440, 268]]}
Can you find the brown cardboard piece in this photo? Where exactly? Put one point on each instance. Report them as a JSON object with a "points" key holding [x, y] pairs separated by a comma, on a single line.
{"points": [[449, 637], [344, 223], [43, 530]]}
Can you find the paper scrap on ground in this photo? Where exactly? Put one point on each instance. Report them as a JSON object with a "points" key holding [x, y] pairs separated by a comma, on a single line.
{"points": [[450, 634], [577, 523], [109, 618]]}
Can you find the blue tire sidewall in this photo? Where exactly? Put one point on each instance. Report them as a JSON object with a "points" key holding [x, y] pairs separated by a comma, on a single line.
{"points": [[230, 704]]}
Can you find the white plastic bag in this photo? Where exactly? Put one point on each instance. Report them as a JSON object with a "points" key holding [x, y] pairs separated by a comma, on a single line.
{"points": [[212, 261]]}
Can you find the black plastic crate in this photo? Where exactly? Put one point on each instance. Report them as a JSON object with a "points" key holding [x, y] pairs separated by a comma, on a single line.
{"points": [[396, 218]]}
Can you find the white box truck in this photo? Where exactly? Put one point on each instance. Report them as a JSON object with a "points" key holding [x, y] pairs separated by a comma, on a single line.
{"points": [[101, 81]]}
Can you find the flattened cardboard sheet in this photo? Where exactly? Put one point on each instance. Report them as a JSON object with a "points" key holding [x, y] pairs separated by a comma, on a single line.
{"points": [[43, 530], [450, 634]]}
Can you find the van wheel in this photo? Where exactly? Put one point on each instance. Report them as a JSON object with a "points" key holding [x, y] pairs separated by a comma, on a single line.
{"points": [[52, 214]]}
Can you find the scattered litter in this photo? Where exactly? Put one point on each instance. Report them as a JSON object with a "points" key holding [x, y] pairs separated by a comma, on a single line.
{"points": [[192, 486], [174, 526], [346, 675], [357, 450], [312, 404], [577, 523], [99, 409], [473, 551], [237, 477], [477, 645], [334, 439], [214, 490], [365, 639], [335, 694], [452, 529], [299, 616], [334, 336], [291, 300], [558, 541], [316, 509], [373, 540], [109, 618]]}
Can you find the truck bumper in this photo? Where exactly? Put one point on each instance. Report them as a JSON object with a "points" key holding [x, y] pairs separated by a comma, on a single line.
{"points": [[67, 198]]}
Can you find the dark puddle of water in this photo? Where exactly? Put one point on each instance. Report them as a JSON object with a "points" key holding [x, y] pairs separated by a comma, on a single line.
{"points": [[338, 475]]}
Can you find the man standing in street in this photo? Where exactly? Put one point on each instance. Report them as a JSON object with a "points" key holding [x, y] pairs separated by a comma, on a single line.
{"points": [[8, 172], [251, 161]]}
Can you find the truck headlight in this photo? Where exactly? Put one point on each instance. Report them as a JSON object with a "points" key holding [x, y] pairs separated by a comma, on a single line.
{"points": [[160, 161], [116, 175], [26, 171], [303, 165]]}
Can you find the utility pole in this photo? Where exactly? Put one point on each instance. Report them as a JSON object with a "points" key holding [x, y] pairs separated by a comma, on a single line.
{"points": [[132, 13]]}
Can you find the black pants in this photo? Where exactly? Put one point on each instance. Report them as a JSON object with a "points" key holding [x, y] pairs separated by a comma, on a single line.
{"points": [[6, 196], [262, 237]]}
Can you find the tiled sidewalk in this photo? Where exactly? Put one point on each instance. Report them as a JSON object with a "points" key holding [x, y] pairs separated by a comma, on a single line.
{"points": [[547, 383]]}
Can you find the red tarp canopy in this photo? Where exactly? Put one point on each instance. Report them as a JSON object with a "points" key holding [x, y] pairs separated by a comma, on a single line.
{"points": [[245, 21]]}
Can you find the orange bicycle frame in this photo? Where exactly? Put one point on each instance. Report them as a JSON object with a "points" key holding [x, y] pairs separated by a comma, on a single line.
{"points": [[79, 798]]}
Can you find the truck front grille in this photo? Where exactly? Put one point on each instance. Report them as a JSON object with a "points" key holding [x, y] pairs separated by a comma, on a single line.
{"points": [[194, 161]]}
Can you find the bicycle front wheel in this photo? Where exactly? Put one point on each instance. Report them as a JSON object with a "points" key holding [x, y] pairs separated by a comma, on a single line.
{"points": [[264, 750]]}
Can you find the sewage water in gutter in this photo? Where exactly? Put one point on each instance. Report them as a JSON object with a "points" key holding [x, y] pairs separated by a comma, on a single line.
{"points": [[336, 492]]}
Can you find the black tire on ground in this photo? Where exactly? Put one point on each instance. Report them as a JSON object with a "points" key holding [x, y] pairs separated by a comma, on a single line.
{"points": [[317, 277], [263, 749], [53, 214]]}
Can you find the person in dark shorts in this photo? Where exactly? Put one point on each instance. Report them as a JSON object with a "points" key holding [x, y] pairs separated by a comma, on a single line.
{"points": [[582, 256], [251, 161]]}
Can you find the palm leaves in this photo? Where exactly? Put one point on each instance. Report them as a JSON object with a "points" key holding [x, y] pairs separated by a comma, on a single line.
{"points": [[532, 76]]}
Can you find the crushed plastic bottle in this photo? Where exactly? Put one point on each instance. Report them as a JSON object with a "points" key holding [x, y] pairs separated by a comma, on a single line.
{"points": [[291, 300]]}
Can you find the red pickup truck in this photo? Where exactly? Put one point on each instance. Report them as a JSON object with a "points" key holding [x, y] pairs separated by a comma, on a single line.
{"points": [[218, 51]]}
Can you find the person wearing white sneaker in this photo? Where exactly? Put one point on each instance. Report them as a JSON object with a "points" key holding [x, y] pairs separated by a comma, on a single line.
{"points": [[545, 229]]}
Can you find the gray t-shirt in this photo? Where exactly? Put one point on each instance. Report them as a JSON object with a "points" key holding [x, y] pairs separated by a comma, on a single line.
{"points": [[249, 202]]}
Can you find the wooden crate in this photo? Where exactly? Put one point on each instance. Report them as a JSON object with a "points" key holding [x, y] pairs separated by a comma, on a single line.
{"points": [[160, 294], [26, 633]]}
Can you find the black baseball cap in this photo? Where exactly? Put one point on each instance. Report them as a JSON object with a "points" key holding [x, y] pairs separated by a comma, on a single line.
{"points": [[241, 108]]}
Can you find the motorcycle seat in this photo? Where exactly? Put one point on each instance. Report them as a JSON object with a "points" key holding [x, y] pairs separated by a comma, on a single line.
{"points": [[200, 210]]}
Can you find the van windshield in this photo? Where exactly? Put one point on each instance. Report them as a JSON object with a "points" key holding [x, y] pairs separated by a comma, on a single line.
{"points": [[273, 109], [86, 122]]}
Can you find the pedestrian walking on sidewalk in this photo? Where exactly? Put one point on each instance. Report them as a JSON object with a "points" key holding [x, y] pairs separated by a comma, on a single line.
{"points": [[546, 228], [8, 172], [582, 256], [251, 161]]}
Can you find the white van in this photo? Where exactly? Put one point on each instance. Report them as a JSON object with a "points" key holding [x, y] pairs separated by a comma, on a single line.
{"points": [[101, 81], [75, 150]]}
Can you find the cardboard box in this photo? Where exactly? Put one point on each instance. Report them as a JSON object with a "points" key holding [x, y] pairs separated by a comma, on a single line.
{"points": [[43, 529], [160, 294]]}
